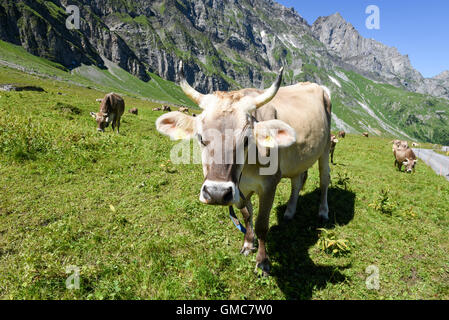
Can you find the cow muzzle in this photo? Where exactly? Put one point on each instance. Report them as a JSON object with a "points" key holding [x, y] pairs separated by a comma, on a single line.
{"points": [[219, 193]]}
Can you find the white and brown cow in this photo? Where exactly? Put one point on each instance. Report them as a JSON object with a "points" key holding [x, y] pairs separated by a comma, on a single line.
{"points": [[334, 142], [111, 110], [292, 122], [405, 156]]}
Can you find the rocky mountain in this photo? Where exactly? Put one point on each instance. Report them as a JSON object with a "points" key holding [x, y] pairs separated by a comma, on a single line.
{"points": [[230, 44], [381, 62]]}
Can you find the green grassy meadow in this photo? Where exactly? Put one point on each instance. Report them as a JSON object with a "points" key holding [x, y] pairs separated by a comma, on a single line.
{"points": [[130, 220]]}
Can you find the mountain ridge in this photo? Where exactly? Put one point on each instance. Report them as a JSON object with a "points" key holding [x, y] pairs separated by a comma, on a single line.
{"points": [[231, 44]]}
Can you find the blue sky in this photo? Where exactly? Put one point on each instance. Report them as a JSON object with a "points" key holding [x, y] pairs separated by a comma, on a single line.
{"points": [[417, 28]]}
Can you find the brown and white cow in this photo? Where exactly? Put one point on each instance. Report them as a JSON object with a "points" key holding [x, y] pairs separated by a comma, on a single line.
{"points": [[334, 142], [406, 157], [111, 110], [341, 134], [134, 111], [292, 122], [365, 134], [399, 145], [183, 109]]}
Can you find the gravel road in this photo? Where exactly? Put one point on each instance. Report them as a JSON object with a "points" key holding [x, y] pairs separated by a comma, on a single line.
{"points": [[438, 162]]}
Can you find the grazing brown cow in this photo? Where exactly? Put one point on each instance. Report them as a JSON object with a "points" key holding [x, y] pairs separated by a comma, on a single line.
{"points": [[334, 142], [133, 111], [111, 110], [292, 122], [183, 109], [405, 157], [166, 108], [98, 100], [341, 134], [365, 134], [156, 109]]}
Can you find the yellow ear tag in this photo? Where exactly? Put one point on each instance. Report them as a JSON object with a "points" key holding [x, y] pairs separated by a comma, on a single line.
{"points": [[269, 142], [180, 134]]}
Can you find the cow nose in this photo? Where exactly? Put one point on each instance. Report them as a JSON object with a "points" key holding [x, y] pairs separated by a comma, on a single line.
{"points": [[218, 193]]}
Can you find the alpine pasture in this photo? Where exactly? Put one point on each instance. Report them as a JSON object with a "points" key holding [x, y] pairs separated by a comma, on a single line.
{"points": [[116, 208]]}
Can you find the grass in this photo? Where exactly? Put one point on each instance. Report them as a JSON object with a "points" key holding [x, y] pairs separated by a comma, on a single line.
{"points": [[116, 208]]}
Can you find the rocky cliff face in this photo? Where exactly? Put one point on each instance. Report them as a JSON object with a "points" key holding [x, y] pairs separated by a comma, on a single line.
{"points": [[225, 44], [381, 62]]}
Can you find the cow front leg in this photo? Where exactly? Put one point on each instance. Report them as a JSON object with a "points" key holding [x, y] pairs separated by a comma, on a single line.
{"points": [[297, 184], [262, 223], [248, 241], [324, 185]]}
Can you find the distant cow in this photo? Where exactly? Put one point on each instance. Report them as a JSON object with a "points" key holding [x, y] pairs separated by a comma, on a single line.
{"points": [[405, 157], [98, 100], [111, 110], [341, 134], [156, 109], [399, 145], [334, 142], [415, 144], [133, 111], [166, 108], [365, 134], [183, 109]]}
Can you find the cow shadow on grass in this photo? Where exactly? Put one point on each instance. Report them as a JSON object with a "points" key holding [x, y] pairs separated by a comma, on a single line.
{"points": [[289, 242]]}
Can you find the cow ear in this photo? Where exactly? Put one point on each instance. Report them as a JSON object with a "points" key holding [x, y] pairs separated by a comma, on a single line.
{"points": [[94, 115], [176, 125], [415, 161], [274, 133]]}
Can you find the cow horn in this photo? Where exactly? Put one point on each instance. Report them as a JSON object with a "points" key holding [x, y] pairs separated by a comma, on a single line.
{"points": [[194, 95], [269, 93]]}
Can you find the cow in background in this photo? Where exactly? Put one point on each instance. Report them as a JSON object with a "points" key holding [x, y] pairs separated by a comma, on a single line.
{"points": [[341, 134], [111, 110], [334, 142]]}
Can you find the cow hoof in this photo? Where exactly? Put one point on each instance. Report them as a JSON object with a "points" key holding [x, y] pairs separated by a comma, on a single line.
{"points": [[264, 266], [288, 216], [323, 220], [247, 248]]}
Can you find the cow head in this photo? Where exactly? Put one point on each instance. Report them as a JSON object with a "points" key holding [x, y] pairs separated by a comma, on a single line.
{"points": [[225, 131], [334, 139], [410, 165], [103, 120]]}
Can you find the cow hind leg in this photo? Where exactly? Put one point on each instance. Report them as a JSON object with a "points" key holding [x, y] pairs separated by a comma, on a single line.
{"points": [[324, 185], [297, 184], [118, 125]]}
